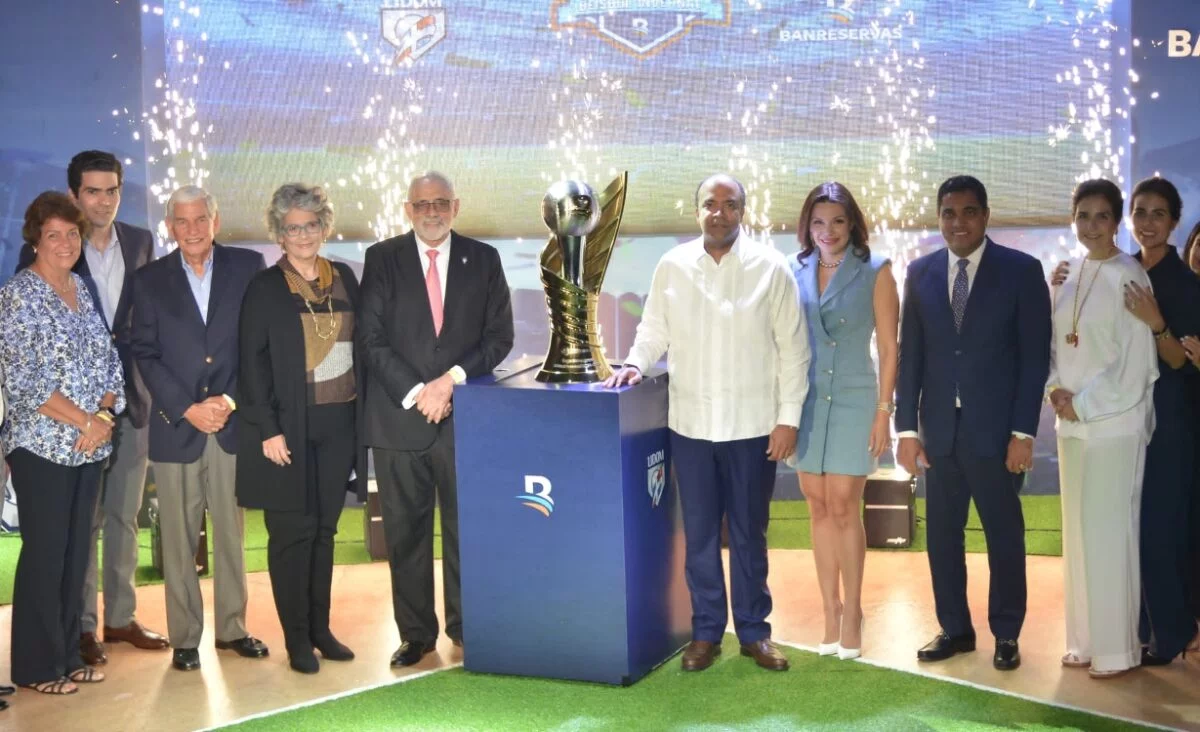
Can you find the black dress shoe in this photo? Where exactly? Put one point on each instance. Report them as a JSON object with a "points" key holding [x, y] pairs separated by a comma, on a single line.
{"points": [[3, 705], [305, 663], [7, 690], [248, 647], [331, 648], [1008, 655], [943, 647], [1150, 659], [186, 659], [410, 654]]}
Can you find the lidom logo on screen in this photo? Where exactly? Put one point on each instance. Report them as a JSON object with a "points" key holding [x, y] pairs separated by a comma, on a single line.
{"points": [[837, 24], [656, 476], [413, 27], [1179, 44], [640, 28], [538, 500]]}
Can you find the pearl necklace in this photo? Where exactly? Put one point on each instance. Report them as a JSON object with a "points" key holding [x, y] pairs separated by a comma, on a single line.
{"points": [[835, 265]]}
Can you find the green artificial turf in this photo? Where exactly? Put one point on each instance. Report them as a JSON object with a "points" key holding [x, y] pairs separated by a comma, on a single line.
{"points": [[789, 529], [816, 694]]}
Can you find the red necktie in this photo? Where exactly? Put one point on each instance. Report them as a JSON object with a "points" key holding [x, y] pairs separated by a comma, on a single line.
{"points": [[433, 283]]}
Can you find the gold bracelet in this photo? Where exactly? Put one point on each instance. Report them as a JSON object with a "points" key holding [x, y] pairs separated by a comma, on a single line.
{"points": [[887, 407], [1162, 335], [104, 417]]}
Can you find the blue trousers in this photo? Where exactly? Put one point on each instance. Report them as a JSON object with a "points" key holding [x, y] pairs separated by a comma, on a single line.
{"points": [[733, 479]]}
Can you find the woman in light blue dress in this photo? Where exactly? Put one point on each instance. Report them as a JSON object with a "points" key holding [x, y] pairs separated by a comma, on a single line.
{"points": [[847, 294]]}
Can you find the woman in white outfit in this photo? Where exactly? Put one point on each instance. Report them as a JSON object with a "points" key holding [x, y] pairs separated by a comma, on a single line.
{"points": [[1102, 372]]}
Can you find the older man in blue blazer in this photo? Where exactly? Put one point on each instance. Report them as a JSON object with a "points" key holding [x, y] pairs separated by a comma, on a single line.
{"points": [[974, 356], [185, 339]]}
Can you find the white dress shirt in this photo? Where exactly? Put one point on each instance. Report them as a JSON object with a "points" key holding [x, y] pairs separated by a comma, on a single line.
{"points": [[972, 260], [443, 268], [108, 272], [735, 338]]}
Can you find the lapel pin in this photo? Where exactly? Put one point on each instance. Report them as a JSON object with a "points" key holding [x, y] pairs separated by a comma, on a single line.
{"points": [[464, 260]]}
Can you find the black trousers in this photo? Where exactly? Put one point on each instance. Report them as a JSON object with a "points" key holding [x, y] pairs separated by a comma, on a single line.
{"points": [[56, 505], [951, 482], [409, 482], [1166, 621], [300, 543]]}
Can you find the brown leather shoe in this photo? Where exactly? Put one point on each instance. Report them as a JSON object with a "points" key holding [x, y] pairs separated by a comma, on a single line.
{"points": [[699, 655], [766, 655], [137, 636], [91, 650]]}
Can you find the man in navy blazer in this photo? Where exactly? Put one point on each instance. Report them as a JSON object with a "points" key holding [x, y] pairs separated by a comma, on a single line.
{"points": [[185, 339], [974, 357], [111, 254]]}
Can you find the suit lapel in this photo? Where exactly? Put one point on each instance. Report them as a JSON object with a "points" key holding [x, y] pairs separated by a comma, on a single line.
{"points": [[809, 287], [82, 269], [939, 273], [844, 275], [456, 279], [129, 254], [178, 287], [218, 281], [408, 264]]}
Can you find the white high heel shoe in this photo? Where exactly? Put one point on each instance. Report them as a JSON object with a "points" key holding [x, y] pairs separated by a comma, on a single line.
{"points": [[846, 654], [830, 649]]}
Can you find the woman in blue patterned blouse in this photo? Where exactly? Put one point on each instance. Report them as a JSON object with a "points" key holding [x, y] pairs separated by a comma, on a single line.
{"points": [[63, 385]]}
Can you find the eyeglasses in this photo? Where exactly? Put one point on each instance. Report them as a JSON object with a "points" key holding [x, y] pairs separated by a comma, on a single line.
{"points": [[293, 231], [441, 205]]}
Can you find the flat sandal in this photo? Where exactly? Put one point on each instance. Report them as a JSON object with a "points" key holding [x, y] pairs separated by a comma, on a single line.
{"points": [[1070, 660], [86, 675], [57, 687]]}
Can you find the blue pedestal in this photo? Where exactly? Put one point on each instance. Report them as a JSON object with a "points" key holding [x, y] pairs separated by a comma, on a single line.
{"points": [[570, 529]]}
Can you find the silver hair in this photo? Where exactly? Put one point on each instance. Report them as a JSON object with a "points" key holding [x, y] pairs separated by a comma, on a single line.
{"points": [[187, 194], [304, 197], [432, 176]]}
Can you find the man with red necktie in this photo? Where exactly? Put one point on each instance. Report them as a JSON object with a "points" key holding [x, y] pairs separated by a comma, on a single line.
{"points": [[436, 311]]}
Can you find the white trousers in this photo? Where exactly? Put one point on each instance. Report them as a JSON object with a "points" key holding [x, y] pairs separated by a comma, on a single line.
{"points": [[1101, 489]]}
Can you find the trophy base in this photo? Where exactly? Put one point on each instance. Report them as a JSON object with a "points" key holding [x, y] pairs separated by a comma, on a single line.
{"points": [[582, 374]]}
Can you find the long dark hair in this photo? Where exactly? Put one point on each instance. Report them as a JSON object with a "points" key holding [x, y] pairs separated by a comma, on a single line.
{"points": [[1193, 241], [834, 192]]}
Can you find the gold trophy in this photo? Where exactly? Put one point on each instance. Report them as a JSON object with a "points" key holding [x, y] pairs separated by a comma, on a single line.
{"points": [[583, 232]]}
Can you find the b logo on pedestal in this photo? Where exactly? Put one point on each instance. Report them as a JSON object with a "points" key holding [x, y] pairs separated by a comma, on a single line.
{"points": [[538, 500]]}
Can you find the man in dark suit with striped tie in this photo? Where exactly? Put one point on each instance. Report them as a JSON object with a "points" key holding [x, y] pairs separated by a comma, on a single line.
{"points": [[974, 357], [436, 311]]}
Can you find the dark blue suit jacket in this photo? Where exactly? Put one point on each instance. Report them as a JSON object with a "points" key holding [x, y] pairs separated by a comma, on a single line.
{"points": [[998, 362], [182, 360], [137, 249]]}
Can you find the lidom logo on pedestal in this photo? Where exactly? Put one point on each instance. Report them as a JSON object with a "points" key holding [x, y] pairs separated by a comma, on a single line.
{"points": [[656, 475], [538, 500]]}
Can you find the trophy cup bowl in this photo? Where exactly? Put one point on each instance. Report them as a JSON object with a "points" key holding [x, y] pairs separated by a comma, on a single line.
{"points": [[583, 232]]}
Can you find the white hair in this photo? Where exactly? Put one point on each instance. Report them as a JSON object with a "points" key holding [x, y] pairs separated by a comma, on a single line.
{"points": [[431, 176], [187, 194]]}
